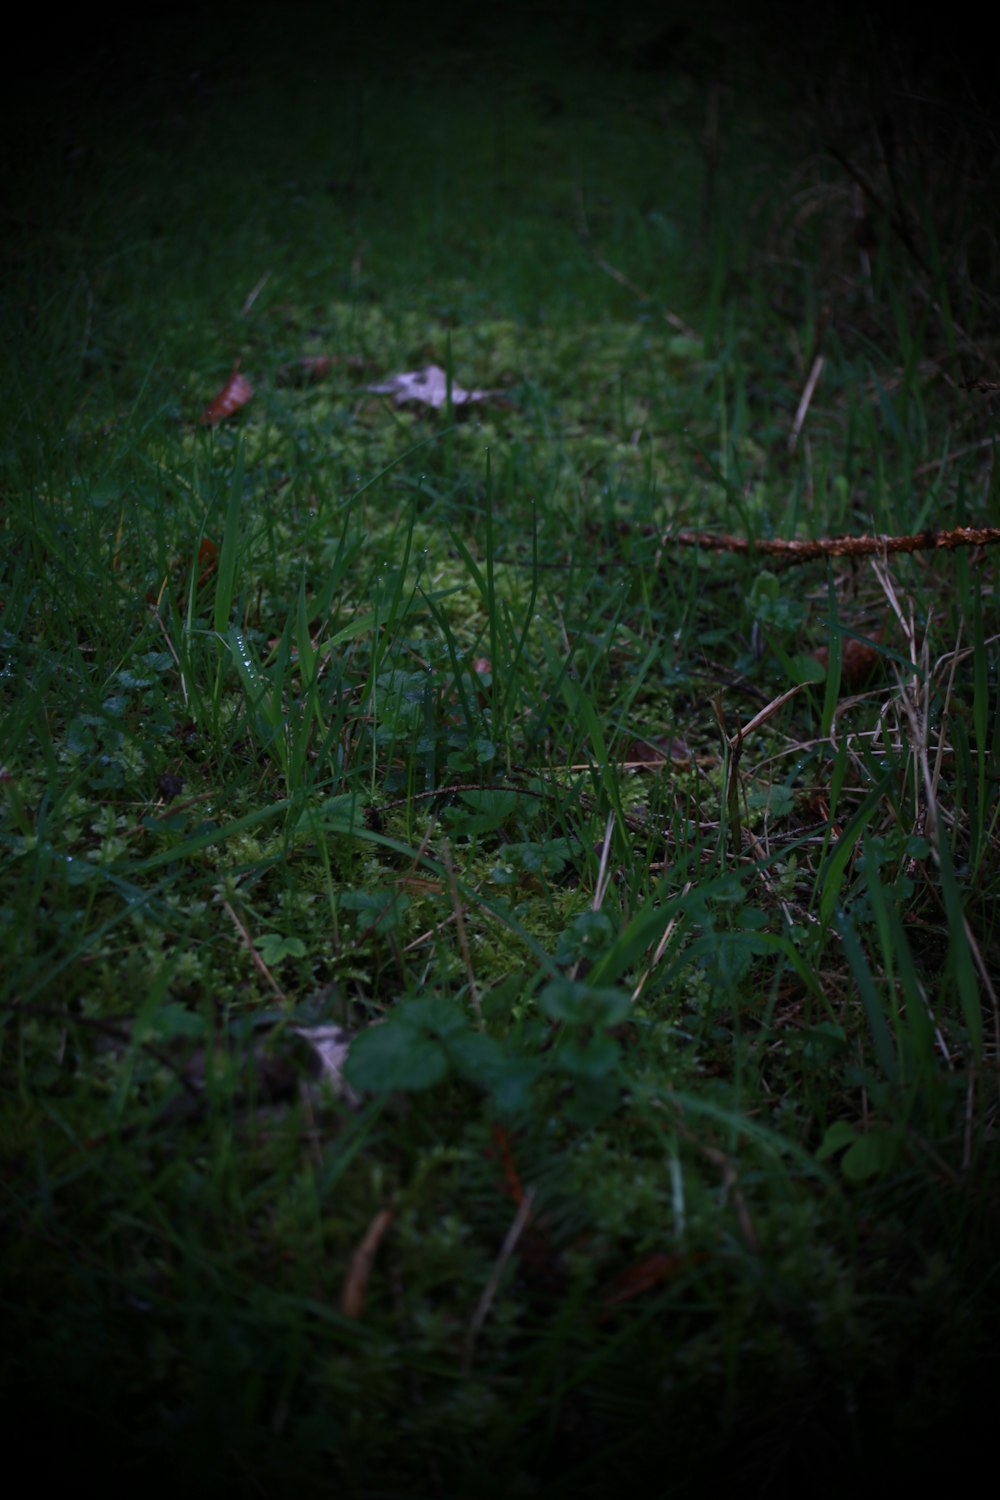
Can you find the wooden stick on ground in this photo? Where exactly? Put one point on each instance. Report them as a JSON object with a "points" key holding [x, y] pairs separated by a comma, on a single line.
{"points": [[804, 550]]}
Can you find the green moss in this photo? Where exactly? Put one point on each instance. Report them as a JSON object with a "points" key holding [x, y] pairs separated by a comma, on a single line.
{"points": [[345, 690]]}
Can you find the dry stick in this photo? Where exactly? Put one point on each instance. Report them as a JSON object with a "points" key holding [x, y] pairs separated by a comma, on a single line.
{"points": [[244, 933], [254, 293], [462, 786], [817, 361], [170, 645], [908, 699], [661, 948], [974, 948], [938, 463], [762, 716], [637, 291], [492, 1286], [176, 807], [899, 225], [425, 841], [425, 937], [735, 743], [919, 728], [463, 938], [603, 878], [352, 1296], [803, 406], [583, 230], [931, 782], [801, 550], [896, 219]]}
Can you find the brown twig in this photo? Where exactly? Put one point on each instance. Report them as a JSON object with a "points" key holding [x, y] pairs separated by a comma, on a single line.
{"points": [[938, 463], [352, 1296], [815, 372], [637, 291], [259, 964], [802, 550], [463, 939], [520, 1222]]}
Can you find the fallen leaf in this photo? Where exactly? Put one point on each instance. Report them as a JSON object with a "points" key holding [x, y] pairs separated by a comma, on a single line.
{"points": [[352, 1296], [857, 663], [429, 387], [660, 748], [328, 1047], [282, 1064], [642, 1275], [208, 560], [483, 669], [236, 392], [510, 1172]]}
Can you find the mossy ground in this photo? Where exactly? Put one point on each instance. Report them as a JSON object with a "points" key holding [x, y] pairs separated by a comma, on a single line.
{"points": [[676, 1068]]}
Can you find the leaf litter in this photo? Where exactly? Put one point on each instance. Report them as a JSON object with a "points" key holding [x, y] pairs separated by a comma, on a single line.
{"points": [[427, 387], [235, 394]]}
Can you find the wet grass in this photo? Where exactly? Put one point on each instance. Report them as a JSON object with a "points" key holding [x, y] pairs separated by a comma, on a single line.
{"points": [[664, 1141]]}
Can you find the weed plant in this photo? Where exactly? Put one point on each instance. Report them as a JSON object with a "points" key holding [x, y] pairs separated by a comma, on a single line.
{"points": [[665, 1140]]}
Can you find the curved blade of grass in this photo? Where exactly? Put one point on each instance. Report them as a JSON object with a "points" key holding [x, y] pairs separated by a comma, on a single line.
{"points": [[225, 578], [872, 1006], [833, 874]]}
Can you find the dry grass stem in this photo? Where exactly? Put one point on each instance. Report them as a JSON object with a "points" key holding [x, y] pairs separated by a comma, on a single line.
{"points": [[517, 1228]]}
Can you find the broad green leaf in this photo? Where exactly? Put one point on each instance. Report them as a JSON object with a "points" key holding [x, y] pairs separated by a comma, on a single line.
{"points": [[395, 1056], [578, 1004], [838, 1136], [871, 1156], [593, 1058]]}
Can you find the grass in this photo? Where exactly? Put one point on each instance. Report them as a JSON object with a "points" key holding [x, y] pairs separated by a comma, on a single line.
{"points": [[665, 1142]]}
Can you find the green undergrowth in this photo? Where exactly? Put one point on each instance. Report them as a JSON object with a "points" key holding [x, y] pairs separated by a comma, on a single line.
{"points": [[645, 893]]}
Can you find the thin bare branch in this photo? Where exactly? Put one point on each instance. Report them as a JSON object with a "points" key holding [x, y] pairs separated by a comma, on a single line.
{"points": [[259, 963], [521, 1218], [803, 406], [637, 291], [805, 550], [355, 1288], [463, 940]]}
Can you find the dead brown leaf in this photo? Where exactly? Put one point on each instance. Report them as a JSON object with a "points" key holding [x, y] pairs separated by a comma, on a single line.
{"points": [[427, 387], [643, 1275], [857, 664], [660, 748], [236, 392]]}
